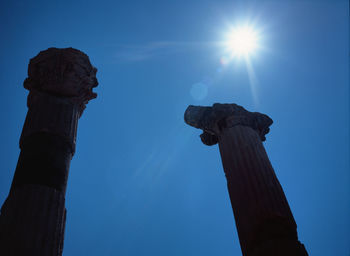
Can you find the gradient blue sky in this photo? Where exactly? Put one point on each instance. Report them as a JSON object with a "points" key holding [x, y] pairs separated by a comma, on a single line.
{"points": [[141, 182]]}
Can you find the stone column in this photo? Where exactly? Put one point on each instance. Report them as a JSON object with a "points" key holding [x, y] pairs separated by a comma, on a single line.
{"points": [[32, 219], [264, 221]]}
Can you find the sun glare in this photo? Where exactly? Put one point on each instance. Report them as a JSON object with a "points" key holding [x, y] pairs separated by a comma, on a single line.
{"points": [[240, 44], [241, 41]]}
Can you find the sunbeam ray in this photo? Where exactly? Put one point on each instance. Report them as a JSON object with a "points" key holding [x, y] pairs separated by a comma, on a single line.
{"points": [[253, 81]]}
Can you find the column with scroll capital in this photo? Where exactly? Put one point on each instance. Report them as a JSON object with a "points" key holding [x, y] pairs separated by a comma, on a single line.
{"points": [[32, 219], [264, 221]]}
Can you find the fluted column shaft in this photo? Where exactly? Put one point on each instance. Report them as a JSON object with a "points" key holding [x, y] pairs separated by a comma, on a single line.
{"points": [[32, 219], [264, 221], [33, 216], [260, 207]]}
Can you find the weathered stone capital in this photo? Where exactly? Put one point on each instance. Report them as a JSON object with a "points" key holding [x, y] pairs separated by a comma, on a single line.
{"points": [[212, 120], [65, 73], [60, 83]]}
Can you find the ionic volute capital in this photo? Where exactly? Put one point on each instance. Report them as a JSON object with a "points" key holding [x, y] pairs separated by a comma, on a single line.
{"points": [[212, 120]]}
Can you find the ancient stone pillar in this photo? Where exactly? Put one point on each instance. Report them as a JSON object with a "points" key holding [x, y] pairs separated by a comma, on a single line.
{"points": [[264, 221], [32, 219]]}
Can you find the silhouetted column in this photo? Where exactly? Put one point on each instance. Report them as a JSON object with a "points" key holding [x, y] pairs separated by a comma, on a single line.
{"points": [[32, 219], [264, 221]]}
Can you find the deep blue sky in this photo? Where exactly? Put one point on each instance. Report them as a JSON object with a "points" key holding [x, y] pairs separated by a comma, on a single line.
{"points": [[141, 182]]}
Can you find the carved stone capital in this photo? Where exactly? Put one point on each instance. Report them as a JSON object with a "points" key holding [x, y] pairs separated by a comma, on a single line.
{"points": [[60, 83], [212, 120], [63, 72]]}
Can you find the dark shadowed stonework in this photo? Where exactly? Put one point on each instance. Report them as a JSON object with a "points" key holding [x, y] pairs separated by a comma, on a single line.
{"points": [[264, 221], [32, 219]]}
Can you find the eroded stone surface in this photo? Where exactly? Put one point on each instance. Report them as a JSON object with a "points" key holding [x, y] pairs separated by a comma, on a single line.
{"points": [[63, 72], [212, 120], [60, 84], [32, 219]]}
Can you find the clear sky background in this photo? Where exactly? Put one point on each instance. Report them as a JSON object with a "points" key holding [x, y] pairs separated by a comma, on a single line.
{"points": [[141, 181]]}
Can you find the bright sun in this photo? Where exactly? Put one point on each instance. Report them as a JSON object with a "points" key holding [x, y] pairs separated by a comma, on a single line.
{"points": [[241, 41]]}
